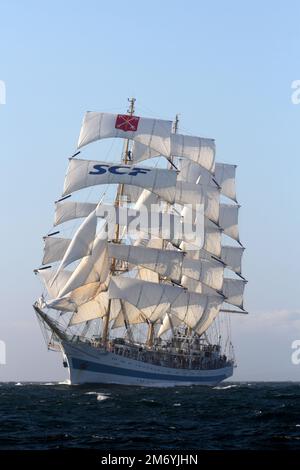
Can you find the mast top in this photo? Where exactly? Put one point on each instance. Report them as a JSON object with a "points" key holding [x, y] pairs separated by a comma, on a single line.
{"points": [[131, 109], [175, 124]]}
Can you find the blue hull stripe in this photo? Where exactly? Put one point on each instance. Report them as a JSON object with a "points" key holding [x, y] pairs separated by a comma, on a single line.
{"points": [[105, 369]]}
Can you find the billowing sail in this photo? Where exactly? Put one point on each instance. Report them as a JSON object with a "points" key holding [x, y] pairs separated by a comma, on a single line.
{"points": [[82, 242], [228, 220], [97, 307], [225, 177], [232, 257], [168, 324], [156, 223], [75, 298], [154, 300], [86, 173], [55, 249], [93, 268], [53, 288], [196, 149], [170, 264], [233, 290], [154, 133], [68, 210]]}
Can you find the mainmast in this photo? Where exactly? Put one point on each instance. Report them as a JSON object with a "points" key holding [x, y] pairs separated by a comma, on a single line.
{"points": [[118, 203], [172, 166]]}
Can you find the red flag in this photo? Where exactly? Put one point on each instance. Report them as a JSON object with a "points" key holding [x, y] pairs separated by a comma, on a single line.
{"points": [[127, 123]]}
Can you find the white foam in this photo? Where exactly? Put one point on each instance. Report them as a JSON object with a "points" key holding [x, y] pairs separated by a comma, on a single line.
{"points": [[226, 387], [101, 397], [65, 382]]}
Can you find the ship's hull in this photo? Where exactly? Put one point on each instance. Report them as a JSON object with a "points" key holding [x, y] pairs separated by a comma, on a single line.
{"points": [[88, 364]]}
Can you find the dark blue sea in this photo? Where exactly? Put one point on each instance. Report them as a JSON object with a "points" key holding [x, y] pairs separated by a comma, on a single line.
{"points": [[258, 416]]}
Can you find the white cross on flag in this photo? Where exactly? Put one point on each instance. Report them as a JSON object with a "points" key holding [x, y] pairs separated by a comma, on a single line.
{"points": [[154, 133]]}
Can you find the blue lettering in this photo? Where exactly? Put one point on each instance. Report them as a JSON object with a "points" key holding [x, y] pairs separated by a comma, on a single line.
{"points": [[100, 169], [135, 171], [114, 170]]}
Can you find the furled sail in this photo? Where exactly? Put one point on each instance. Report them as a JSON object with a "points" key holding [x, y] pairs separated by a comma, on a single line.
{"points": [[154, 133]]}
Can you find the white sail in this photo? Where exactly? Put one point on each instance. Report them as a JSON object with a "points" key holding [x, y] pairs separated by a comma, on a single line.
{"points": [[232, 257], [194, 173], [154, 300], [131, 193], [69, 210], [142, 152], [208, 317], [53, 288], [94, 308], [126, 311], [160, 224], [233, 290], [154, 133], [212, 242], [82, 242], [168, 324], [166, 263], [93, 268], [85, 173], [197, 149], [228, 220], [225, 177], [54, 249], [72, 301]]}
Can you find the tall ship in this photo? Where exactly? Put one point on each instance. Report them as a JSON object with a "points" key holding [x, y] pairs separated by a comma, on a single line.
{"points": [[139, 283]]}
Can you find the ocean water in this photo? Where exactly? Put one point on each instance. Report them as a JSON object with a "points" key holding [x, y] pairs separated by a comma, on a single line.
{"points": [[230, 416]]}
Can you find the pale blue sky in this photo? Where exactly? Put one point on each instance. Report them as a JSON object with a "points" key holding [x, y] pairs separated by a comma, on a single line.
{"points": [[227, 68]]}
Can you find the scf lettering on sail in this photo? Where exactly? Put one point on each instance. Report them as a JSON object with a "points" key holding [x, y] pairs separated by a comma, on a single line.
{"points": [[118, 170]]}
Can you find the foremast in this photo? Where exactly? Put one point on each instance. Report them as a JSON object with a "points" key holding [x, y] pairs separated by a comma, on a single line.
{"points": [[118, 203]]}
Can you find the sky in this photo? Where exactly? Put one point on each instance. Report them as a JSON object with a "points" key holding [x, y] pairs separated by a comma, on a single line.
{"points": [[227, 68]]}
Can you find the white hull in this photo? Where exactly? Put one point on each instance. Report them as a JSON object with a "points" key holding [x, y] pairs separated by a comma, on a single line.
{"points": [[88, 364]]}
